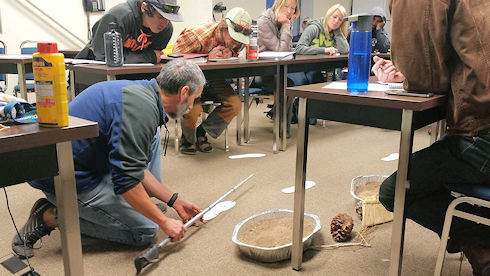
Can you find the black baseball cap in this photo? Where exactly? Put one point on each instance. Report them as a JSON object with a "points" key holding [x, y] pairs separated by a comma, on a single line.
{"points": [[167, 8]]}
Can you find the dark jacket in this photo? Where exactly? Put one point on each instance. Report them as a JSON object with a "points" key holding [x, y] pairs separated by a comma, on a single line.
{"points": [[139, 42], [380, 41], [448, 53]]}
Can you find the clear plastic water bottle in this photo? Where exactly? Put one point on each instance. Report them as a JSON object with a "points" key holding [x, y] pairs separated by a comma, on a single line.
{"points": [[113, 47], [360, 53]]}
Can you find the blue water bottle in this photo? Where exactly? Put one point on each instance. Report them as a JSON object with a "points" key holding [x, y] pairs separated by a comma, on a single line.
{"points": [[360, 53]]}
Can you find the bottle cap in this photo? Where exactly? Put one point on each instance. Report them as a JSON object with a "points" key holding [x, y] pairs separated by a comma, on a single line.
{"points": [[360, 22], [47, 47]]}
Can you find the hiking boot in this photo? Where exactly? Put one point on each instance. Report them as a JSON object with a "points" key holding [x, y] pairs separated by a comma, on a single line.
{"points": [[203, 145], [34, 229], [479, 259], [186, 147]]}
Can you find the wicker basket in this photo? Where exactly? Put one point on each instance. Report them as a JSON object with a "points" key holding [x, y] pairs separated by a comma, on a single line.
{"points": [[272, 254]]}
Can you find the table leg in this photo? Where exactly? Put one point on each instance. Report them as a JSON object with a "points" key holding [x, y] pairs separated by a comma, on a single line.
{"points": [[239, 116], [246, 111], [71, 95], [21, 74], [67, 208], [299, 186], [284, 107], [398, 228], [275, 130]]}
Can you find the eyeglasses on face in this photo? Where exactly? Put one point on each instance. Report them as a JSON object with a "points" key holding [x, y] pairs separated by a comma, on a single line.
{"points": [[240, 28]]}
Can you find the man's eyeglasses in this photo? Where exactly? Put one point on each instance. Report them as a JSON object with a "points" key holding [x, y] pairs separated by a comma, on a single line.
{"points": [[240, 28], [168, 8]]}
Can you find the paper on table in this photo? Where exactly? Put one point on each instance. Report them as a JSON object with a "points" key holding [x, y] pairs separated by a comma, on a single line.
{"points": [[391, 157], [343, 85], [82, 61], [275, 55], [392, 85], [223, 59]]}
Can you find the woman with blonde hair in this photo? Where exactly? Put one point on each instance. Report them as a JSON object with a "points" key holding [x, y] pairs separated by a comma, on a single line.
{"points": [[325, 36], [275, 26]]}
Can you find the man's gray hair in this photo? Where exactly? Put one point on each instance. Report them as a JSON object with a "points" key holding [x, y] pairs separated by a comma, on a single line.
{"points": [[179, 73]]}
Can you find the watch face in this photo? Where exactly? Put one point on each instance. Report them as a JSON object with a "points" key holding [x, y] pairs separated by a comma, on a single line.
{"points": [[374, 41]]}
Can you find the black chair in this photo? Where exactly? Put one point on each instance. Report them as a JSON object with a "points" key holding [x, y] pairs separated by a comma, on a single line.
{"points": [[3, 77]]}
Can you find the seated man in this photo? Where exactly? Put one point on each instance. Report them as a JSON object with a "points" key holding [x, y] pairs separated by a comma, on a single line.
{"points": [[145, 28], [220, 40], [451, 62], [118, 171], [380, 41]]}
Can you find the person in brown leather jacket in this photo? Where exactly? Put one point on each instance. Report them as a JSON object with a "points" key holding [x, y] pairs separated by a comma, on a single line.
{"points": [[446, 52]]}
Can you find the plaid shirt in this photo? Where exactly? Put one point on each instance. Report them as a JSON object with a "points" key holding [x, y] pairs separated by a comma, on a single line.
{"points": [[201, 39]]}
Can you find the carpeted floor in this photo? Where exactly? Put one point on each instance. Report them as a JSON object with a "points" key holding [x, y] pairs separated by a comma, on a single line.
{"points": [[337, 153]]}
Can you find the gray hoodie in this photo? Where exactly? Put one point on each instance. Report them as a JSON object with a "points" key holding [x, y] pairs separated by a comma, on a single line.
{"points": [[380, 40], [313, 41]]}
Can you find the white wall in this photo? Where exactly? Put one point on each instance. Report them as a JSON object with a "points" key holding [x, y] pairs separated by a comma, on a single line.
{"points": [[19, 23], [253, 7], [321, 6]]}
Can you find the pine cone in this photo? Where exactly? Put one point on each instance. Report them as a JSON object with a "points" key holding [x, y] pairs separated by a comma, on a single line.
{"points": [[341, 227]]}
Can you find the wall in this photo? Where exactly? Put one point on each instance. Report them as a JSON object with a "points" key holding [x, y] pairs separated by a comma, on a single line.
{"points": [[321, 6], [253, 7], [19, 23]]}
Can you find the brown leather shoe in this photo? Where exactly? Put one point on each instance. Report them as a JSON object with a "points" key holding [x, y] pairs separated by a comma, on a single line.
{"points": [[479, 259]]}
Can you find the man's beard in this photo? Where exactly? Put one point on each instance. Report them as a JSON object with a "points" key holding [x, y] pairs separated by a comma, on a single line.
{"points": [[180, 111]]}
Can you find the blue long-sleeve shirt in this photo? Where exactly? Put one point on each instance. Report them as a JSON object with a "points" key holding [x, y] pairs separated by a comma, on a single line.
{"points": [[128, 114]]}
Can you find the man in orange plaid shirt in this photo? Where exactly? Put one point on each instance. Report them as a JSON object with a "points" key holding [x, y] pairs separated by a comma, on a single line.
{"points": [[220, 40]]}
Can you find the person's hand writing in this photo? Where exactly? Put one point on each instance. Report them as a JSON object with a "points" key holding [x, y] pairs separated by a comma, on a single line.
{"points": [[331, 51], [217, 52], [175, 229], [385, 71], [186, 210], [227, 53]]}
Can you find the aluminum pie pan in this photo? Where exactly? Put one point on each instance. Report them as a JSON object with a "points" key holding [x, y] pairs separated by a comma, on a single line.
{"points": [[272, 254], [363, 180]]}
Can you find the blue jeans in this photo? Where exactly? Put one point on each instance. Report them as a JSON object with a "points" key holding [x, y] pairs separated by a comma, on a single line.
{"points": [[452, 160], [107, 216]]}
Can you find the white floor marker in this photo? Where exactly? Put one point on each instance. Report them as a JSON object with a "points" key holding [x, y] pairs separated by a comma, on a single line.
{"points": [[391, 157], [219, 208], [290, 190], [248, 155]]}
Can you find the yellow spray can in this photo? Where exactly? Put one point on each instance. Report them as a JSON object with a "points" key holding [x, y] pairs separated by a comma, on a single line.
{"points": [[48, 67]]}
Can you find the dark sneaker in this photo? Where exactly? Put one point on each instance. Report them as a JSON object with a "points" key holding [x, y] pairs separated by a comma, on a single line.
{"points": [[479, 259], [33, 230], [203, 144], [187, 148]]}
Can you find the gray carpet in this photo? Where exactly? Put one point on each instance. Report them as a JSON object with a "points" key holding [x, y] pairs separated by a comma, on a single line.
{"points": [[337, 153]]}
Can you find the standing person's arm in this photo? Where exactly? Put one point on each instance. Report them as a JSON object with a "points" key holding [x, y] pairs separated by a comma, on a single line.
{"points": [[303, 47], [271, 42]]}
